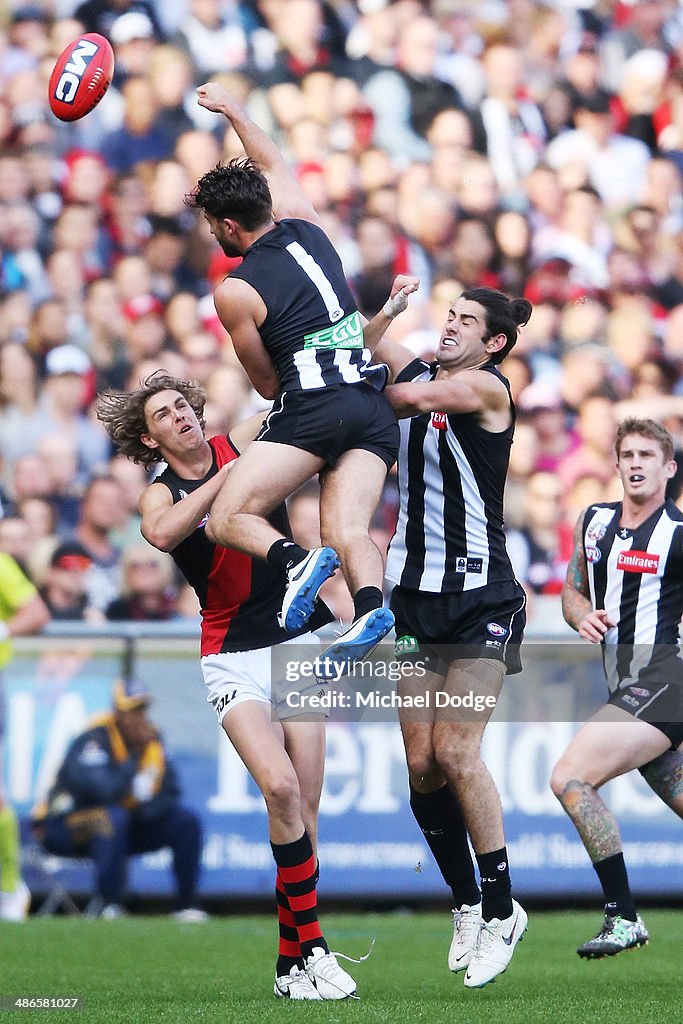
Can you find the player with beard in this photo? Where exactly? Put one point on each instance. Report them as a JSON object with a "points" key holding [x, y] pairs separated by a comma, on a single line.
{"points": [[458, 605], [297, 331]]}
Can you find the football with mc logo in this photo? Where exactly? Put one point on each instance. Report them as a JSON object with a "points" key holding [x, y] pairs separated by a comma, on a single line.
{"points": [[81, 76]]}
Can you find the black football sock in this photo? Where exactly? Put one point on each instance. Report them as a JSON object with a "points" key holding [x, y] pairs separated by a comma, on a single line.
{"points": [[496, 898], [442, 823], [367, 599], [614, 881], [283, 554], [289, 950], [298, 870]]}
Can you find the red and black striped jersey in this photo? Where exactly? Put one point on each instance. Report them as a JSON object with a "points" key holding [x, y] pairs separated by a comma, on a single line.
{"points": [[240, 596]]}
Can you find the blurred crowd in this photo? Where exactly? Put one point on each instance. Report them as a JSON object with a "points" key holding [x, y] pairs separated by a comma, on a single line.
{"points": [[534, 147]]}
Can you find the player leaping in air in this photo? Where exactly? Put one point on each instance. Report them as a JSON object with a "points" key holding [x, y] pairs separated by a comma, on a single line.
{"points": [[296, 329]]}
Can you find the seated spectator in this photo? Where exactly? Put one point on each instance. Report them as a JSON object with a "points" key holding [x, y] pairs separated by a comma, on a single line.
{"points": [[586, 370], [214, 38], [581, 237], [40, 518], [542, 408], [117, 795], [142, 135], [305, 43], [65, 585], [20, 262], [103, 511], [18, 404], [171, 77], [594, 455], [15, 539], [106, 346], [202, 354], [101, 15], [144, 328], [515, 132], [407, 98], [613, 164], [133, 480], [166, 254], [147, 591], [66, 392], [133, 37], [541, 549]]}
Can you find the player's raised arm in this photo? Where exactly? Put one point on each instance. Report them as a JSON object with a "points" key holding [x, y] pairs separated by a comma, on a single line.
{"points": [[384, 350], [289, 199]]}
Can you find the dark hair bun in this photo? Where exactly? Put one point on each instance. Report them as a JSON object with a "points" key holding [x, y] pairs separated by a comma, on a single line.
{"points": [[521, 311]]}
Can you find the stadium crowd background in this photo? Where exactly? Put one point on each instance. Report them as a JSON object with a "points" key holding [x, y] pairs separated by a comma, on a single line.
{"points": [[533, 147]]}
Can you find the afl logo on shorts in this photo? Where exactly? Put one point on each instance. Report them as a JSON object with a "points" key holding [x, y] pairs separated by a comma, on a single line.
{"points": [[639, 691], [593, 554], [495, 629]]}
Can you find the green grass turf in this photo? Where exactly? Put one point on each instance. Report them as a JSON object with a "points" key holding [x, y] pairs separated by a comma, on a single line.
{"points": [[149, 969]]}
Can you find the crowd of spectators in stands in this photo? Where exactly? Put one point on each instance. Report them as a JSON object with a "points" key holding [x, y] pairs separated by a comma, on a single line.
{"points": [[534, 147]]}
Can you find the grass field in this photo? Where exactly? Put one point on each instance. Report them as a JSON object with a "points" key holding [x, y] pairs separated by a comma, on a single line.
{"points": [[154, 969]]}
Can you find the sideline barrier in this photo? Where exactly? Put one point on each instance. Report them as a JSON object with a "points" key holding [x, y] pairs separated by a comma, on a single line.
{"points": [[369, 844]]}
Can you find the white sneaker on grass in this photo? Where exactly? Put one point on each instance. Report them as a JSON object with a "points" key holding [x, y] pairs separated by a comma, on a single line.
{"points": [[497, 941], [466, 925], [330, 980], [296, 985], [191, 915], [112, 912], [14, 905]]}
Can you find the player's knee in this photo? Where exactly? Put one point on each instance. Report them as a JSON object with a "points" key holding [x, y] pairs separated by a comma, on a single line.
{"points": [[342, 535], [212, 529], [456, 757], [282, 796], [422, 769], [563, 773]]}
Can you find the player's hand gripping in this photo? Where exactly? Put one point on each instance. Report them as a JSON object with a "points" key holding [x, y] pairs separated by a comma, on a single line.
{"points": [[402, 287], [594, 625], [216, 97]]}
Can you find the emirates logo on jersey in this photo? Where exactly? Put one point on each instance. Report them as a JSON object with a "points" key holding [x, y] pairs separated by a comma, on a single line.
{"points": [[439, 421], [638, 561]]}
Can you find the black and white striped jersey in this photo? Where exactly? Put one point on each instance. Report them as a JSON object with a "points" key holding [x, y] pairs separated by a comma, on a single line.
{"points": [[637, 577], [313, 331], [451, 476]]}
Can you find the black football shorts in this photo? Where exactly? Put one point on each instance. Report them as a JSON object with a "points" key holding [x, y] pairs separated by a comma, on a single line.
{"points": [[330, 421], [484, 623]]}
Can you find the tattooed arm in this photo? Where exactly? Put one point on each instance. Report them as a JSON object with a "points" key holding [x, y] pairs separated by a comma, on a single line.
{"points": [[578, 611]]}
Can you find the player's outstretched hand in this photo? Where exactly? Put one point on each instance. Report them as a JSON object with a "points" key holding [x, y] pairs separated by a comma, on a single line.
{"points": [[215, 97], [403, 286], [594, 625]]}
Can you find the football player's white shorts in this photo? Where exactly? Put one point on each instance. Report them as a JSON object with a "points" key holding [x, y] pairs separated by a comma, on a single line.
{"points": [[236, 676]]}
